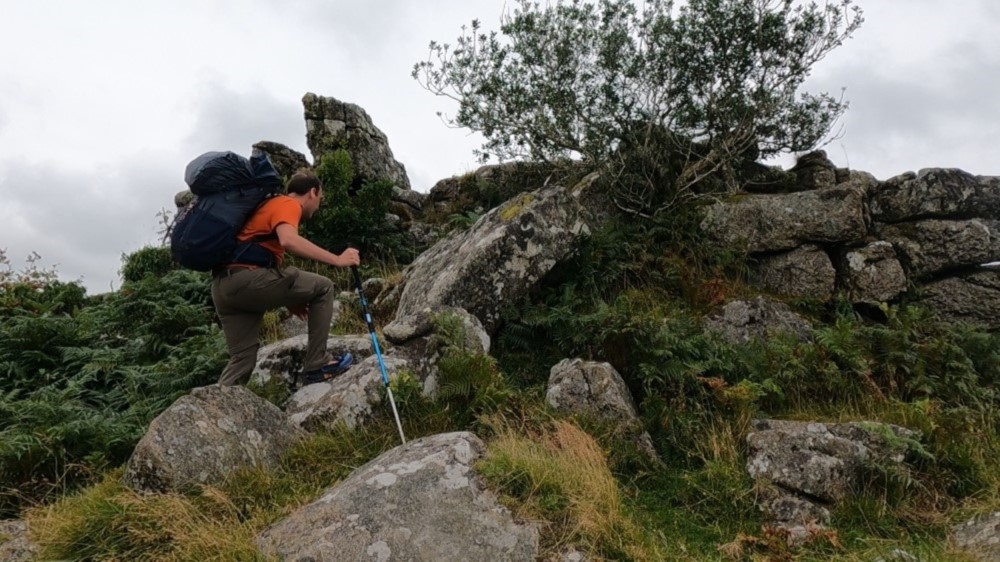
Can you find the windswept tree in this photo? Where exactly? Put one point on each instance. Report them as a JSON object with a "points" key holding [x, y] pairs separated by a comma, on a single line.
{"points": [[657, 96]]}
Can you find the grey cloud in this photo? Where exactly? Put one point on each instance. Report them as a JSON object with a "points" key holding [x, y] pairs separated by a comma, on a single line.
{"points": [[939, 114], [234, 120], [354, 26], [97, 216], [392, 28]]}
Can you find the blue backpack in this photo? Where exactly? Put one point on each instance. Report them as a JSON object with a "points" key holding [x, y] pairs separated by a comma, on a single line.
{"points": [[228, 188]]}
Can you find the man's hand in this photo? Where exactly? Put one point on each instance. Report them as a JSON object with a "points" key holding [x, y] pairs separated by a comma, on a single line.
{"points": [[300, 310], [348, 258]]}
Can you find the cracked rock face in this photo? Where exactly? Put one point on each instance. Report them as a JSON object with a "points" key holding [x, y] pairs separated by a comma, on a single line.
{"points": [[204, 436], [872, 274], [937, 193], [576, 385], [588, 387], [14, 543], [498, 259], [332, 124], [972, 297], [419, 501], [742, 322], [934, 246], [770, 223], [805, 271], [802, 468]]}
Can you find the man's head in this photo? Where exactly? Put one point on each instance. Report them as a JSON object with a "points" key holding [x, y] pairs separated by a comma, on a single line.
{"points": [[306, 187]]}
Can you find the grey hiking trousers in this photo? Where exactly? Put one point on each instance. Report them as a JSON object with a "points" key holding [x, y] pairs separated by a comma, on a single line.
{"points": [[242, 296]]}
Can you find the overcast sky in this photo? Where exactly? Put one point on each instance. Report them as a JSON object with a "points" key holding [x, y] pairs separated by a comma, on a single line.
{"points": [[103, 102]]}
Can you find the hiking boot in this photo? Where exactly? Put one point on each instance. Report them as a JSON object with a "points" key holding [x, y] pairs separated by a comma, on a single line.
{"points": [[338, 365]]}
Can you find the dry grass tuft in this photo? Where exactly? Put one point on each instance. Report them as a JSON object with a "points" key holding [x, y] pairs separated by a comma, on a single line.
{"points": [[112, 522], [561, 477]]}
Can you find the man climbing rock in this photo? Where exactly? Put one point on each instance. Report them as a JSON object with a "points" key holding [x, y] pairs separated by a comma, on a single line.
{"points": [[256, 282]]}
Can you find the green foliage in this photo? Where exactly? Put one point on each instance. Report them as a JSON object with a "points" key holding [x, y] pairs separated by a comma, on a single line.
{"points": [[275, 390], [407, 390], [154, 261], [33, 291], [471, 195], [332, 454], [482, 195], [355, 216], [633, 295], [79, 386], [657, 94], [470, 382], [910, 357], [462, 221]]}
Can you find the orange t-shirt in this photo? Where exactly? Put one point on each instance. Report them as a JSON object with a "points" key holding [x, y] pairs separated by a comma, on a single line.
{"points": [[274, 211]]}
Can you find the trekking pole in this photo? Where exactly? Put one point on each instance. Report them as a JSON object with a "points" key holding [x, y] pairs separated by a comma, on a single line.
{"points": [[378, 351]]}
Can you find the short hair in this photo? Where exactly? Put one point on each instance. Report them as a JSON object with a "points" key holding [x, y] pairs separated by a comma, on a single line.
{"points": [[302, 181]]}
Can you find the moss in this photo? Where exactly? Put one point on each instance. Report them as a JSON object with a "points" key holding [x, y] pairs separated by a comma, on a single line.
{"points": [[275, 390], [897, 443], [513, 207]]}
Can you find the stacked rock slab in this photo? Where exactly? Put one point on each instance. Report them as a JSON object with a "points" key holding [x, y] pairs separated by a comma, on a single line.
{"points": [[924, 234]]}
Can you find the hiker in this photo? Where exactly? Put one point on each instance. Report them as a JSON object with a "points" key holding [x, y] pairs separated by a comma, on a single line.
{"points": [[256, 282]]}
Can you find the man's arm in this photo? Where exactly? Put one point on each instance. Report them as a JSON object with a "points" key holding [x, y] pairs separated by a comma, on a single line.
{"points": [[290, 240]]}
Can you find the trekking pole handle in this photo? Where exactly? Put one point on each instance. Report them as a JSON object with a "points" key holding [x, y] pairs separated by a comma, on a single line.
{"points": [[339, 249]]}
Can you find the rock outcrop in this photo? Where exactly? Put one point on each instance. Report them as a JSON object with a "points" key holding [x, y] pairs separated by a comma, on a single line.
{"points": [[349, 399], [332, 124], [804, 468], [806, 271], [15, 546], [935, 246], [283, 359], [775, 222], [492, 184], [871, 241], [972, 297], [742, 322], [939, 193], [498, 259], [814, 171], [872, 274], [284, 159], [206, 435], [596, 389], [421, 502]]}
